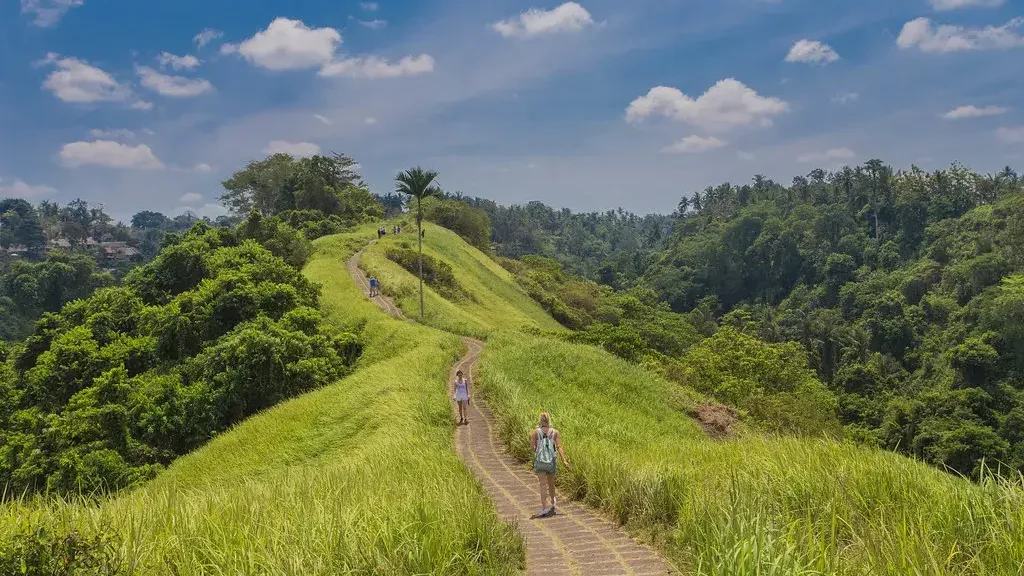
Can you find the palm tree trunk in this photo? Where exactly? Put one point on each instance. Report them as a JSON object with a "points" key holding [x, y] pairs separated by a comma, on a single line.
{"points": [[419, 233]]}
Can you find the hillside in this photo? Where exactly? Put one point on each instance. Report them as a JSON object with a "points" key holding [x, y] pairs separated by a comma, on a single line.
{"points": [[361, 476], [358, 476]]}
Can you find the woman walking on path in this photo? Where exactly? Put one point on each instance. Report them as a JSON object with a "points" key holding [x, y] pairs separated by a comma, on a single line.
{"points": [[462, 396], [546, 441]]}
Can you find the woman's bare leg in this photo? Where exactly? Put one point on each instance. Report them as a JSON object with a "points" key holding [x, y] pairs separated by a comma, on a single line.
{"points": [[551, 488], [543, 478]]}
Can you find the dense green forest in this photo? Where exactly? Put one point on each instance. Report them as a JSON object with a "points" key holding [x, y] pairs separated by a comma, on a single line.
{"points": [[904, 291], [117, 377]]}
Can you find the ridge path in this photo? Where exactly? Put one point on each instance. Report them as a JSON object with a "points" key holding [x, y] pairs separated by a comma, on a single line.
{"points": [[575, 541]]}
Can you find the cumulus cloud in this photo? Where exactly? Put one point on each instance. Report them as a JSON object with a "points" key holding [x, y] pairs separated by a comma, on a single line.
{"points": [[726, 105], [173, 86], [191, 198], [830, 156], [297, 149], [187, 62], [928, 37], [110, 154], [374, 24], [19, 189], [377, 67], [206, 36], [108, 134], [812, 52], [323, 119], [974, 112], [942, 5], [288, 45], [202, 168], [1009, 135], [77, 81], [845, 97], [142, 105], [694, 145], [569, 17], [48, 13]]}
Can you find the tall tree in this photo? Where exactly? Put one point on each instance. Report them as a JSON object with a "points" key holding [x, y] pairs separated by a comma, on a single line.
{"points": [[419, 184]]}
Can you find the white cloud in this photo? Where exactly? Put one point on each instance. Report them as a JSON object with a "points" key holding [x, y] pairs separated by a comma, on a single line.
{"points": [[323, 119], [694, 145], [374, 24], [206, 36], [569, 17], [288, 45], [297, 149], [369, 6], [830, 156], [846, 97], [48, 12], [954, 4], [187, 62], [110, 154], [202, 168], [174, 86], [77, 81], [191, 198], [142, 105], [19, 189], [974, 112], [148, 132], [120, 133], [812, 52], [927, 37], [1013, 135], [370, 121], [377, 67], [726, 105]]}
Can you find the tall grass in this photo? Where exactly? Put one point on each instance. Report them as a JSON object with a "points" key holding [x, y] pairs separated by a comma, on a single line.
{"points": [[754, 505], [358, 477], [494, 303]]}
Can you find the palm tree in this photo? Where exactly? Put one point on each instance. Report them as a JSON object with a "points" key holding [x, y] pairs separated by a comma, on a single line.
{"points": [[418, 183]]}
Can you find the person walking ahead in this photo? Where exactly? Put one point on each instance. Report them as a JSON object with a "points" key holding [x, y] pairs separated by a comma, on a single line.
{"points": [[546, 441], [461, 396]]}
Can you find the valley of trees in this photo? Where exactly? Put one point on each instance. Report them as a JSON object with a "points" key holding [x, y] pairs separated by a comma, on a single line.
{"points": [[904, 290]]}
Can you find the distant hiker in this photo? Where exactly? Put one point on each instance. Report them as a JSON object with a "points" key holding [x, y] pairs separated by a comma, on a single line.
{"points": [[461, 396], [546, 441], [423, 233], [374, 286]]}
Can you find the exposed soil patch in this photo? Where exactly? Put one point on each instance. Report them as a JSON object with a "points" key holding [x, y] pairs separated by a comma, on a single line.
{"points": [[717, 420]]}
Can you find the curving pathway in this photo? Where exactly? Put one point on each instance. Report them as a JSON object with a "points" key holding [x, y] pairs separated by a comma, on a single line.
{"points": [[574, 542]]}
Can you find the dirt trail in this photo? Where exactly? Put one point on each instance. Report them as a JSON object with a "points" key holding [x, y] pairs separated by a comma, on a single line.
{"points": [[574, 542]]}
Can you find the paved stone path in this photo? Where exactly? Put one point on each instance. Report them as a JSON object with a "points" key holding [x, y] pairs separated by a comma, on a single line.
{"points": [[574, 542]]}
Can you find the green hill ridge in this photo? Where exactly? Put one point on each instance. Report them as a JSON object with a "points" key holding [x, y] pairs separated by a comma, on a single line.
{"points": [[360, 476]]}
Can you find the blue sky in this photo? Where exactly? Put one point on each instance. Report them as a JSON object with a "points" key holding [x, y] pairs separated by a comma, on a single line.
{"points": [[592, 105]]}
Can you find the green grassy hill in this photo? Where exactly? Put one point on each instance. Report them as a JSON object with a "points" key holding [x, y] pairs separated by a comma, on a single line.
{"points": [[494, 301], [358, 477], [361, 476]]}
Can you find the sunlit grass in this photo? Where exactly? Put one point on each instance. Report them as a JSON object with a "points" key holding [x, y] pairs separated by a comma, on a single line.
{"points": [[750, 506], [496, 302], [358, 477]]}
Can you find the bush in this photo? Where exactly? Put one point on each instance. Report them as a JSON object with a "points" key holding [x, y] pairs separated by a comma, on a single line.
{"points": [[438, 274], [770, 382], [38, 551]]}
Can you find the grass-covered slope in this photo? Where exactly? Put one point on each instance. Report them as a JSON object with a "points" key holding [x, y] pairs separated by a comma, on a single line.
{"points": [[754, 505], [357, 477], [493, 300]]}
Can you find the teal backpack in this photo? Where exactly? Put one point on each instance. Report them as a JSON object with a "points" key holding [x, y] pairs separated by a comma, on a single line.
{"points": [[544, 461]]}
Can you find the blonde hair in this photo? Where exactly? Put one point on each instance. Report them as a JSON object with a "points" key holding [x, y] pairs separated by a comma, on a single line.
{"points": [[545, 420]]}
